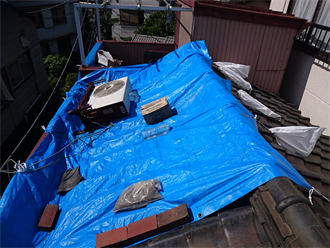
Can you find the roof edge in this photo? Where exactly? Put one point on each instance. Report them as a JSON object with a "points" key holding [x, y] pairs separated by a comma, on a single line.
{"points": [[234, 12]]}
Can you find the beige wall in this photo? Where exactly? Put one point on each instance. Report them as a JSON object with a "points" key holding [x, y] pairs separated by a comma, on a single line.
{"points": [[279, 5], [186, 18], [306, 83]]}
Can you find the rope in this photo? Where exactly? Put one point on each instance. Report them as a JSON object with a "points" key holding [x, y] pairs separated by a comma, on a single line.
{"points": [[309, 227]]}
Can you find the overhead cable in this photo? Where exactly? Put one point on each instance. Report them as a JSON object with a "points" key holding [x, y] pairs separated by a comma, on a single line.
{"points": [[45, 105], [36, 11]]}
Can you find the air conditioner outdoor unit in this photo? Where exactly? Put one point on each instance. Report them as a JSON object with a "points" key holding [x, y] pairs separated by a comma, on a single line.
{"points": [[112, 97], [103, 103]]}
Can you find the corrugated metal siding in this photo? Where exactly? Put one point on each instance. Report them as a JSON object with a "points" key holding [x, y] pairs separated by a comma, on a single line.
{"points": [[132, 53], [265, 48]]}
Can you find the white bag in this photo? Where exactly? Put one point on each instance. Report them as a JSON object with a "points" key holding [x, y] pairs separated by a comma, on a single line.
{"points": [[298, 139], [255, 104], [236, 73]]}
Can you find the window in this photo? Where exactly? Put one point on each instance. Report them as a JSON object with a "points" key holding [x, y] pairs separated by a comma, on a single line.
{"points": [[36, 14], [5, 93], [19, 70], [131, 17], [58, 15]]}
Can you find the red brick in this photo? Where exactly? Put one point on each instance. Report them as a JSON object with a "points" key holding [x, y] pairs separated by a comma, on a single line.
{"points": [[143, 229], [173, 218], [113, 238], [48, 218]]}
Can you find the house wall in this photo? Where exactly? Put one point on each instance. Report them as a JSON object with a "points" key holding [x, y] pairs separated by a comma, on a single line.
{"points": [[186, 19], [279, 5], [122, 31], [306, 83], [265, 48], [50, 33], [132, 53], [13, 24]]}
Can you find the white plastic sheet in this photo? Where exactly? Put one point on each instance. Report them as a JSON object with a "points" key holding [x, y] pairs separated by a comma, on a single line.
{"points": [[255, 104], [298, 139], [236, 73]]}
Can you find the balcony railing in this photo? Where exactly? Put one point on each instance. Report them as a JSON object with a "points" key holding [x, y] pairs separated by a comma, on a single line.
{"points": [[315, 41]]}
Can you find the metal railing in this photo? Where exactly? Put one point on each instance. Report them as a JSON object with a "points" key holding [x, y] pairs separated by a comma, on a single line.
{"points": [[315, 41]]}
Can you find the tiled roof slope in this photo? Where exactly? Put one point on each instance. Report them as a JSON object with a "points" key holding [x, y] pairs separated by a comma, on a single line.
{"points": [[315, 169], [276, 214], [149, 38]]}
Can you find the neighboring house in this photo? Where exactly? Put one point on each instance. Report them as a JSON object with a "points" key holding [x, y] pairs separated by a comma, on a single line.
{"points": [[23, 74], [304, 76], [55, 24], [130, 20], [306, 82], [242, 34], [149, 38]]}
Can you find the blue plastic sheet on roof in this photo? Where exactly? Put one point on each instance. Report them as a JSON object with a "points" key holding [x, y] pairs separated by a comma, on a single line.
{"points": [[212, 156]]}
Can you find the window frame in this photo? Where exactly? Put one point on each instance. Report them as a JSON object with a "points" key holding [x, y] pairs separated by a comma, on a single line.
{"points": [[56, 18], [6, 69]]}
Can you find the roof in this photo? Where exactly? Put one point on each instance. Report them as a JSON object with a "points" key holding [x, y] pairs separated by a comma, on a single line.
{"points": [[196, 149], [149, 38], [276, 213]]}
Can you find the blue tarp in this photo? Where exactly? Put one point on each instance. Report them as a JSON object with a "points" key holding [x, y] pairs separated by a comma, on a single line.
{"points": [[212, 156]]}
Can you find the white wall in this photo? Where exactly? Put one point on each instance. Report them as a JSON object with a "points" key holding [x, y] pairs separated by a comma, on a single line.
{"points": [[306, 83], [279, 5]]}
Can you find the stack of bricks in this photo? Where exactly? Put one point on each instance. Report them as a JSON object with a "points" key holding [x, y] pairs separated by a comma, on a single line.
{"points": [[144, 228]]}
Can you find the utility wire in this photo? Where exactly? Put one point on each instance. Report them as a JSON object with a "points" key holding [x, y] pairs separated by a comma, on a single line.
{"points": [[42, 110], [185, 29]]}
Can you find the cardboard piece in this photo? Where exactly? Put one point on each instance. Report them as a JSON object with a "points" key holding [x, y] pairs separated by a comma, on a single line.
{"points": [[156, 111]]}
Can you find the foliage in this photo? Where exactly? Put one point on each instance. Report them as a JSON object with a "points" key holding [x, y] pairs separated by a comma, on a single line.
{"points": [[54, 64], [129, 38], [156, 25], [106, 27], [70, 80]]}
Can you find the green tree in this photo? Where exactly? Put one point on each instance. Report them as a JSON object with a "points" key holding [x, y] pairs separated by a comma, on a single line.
{"points": [[70, 80], [106, 27], [156, 25], [54, 65]]}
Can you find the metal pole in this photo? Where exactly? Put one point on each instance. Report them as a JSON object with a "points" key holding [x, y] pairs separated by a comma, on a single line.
{"points": [[98, 22], [133, 7], [78, 26]]}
